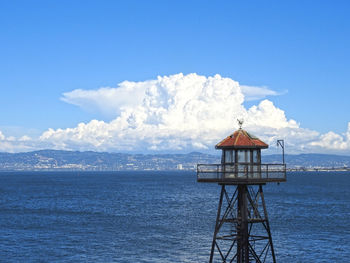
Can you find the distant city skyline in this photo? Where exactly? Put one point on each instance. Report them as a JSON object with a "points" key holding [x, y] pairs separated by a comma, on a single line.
{"points": [[162, 76]]}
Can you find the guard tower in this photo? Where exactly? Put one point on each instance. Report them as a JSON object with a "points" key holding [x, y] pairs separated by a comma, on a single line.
{"points": [[242, 231]]}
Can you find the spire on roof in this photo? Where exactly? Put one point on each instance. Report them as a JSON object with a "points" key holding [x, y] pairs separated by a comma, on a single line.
{"points": [[240, 123]]}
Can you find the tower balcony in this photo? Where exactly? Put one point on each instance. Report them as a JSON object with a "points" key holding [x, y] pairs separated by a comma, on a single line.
{"points": [[234, 173]]}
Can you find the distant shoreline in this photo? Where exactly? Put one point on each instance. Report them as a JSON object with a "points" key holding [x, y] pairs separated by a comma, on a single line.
{"points": [[55, 160], [167, 170], [319, 170]]}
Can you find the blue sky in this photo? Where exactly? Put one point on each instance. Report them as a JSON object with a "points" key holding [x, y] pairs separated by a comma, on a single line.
{"points": [[299, 49]]}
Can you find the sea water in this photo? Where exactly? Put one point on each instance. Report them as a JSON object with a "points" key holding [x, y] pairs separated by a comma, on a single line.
{"points": [[160, 217]]}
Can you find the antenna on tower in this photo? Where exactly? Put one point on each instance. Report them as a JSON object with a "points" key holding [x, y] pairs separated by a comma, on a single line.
{"points": [[240, 123], [281, 143]]}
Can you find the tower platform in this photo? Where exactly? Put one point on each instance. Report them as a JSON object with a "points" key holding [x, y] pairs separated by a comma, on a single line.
{"points": [[241, 173]]}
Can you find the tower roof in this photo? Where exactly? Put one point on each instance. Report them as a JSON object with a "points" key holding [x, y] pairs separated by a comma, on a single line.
{"points": [[241, 139]]}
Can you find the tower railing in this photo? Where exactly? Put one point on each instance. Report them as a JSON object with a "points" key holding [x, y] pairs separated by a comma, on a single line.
{"points": [[237, 172]]}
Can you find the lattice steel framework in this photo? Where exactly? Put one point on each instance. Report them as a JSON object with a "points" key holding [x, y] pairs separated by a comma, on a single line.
{"points": [[242, 232]]}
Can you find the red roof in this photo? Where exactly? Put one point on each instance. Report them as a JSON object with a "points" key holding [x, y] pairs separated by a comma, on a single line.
{"points": [[241, 139]]}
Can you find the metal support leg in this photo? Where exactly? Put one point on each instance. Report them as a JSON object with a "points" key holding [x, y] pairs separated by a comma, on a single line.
{"points": [[217, 224], [242, 229], [267, 224]]}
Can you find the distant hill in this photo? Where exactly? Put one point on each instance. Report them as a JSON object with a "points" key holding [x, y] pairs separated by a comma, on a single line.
{"points": [[103, 161], [310, 160], [100, 161]]}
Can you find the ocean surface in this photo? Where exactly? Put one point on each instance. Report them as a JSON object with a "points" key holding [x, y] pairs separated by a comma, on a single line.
{"points": [[160, 217]]}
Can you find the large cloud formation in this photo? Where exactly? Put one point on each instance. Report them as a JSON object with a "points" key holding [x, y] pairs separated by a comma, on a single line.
{"points": [[180, 113]]}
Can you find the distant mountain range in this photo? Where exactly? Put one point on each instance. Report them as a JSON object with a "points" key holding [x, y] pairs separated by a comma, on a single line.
{"points": [[47, 160]]}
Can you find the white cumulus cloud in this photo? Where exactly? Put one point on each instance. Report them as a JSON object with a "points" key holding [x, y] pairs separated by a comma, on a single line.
{"points": [[257, 93], [109, 101], [173, 113], [177, 113], [2, 136], [13, 144], [334, 141]]}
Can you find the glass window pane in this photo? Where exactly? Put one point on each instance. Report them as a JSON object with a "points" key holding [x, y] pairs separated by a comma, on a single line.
{"points": [[228, 156], [255, 156], [242, 170], [241, 156]]}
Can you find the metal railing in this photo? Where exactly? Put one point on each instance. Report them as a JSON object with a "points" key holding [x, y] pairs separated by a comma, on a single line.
{"points": [[243, 172]]}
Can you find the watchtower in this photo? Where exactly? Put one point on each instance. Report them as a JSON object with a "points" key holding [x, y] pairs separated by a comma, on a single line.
{"points": [[242, 231]]}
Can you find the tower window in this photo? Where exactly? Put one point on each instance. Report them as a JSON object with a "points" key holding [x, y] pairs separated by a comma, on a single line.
{"points": [[242, 156], [229, 156], [255, 156]]}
